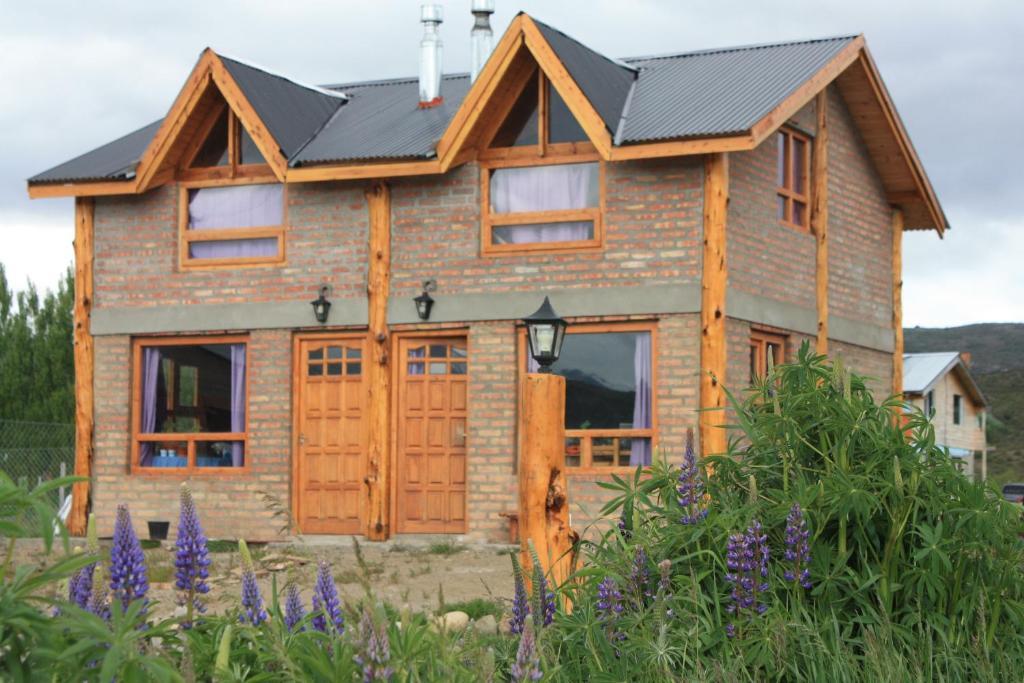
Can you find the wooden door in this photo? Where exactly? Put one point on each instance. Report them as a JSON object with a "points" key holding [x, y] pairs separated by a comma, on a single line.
{"points": [[331, 458], [431, 443]]}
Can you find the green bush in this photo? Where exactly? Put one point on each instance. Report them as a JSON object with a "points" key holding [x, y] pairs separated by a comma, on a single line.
{"points": [[914, 575], [915, 571]]}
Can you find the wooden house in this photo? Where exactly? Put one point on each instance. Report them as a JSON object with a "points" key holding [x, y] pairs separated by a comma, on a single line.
{"points": [[690, 214]]}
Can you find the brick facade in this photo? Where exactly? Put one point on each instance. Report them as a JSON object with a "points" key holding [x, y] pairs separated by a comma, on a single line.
{"points": [[653, 228]]}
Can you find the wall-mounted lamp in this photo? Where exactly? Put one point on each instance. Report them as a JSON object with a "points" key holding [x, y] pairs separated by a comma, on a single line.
{"points": [[424, 302], [321, 306]]}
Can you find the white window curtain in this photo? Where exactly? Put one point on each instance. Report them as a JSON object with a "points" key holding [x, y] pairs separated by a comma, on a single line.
{"points": [[544, 188], [240, 206]]}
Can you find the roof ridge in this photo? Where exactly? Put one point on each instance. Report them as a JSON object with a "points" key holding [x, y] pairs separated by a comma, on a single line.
{"points": [[378, 82], [617, 62], [315, 88], [739, 48]]}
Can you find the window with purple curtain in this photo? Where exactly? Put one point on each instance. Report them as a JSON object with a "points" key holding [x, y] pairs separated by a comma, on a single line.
{"points": [[237, 206], [640, 449], [558, 187], [192, 397]]}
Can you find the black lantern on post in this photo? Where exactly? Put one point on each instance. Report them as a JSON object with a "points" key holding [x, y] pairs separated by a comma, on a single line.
{"points": [[424, 302], [321, 306], [545, 332]]}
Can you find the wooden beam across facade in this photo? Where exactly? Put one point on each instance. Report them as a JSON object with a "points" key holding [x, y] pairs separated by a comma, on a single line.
{"points": [[84, 358], [897, 301], [819, 217], [714, 281], [378, 370]]}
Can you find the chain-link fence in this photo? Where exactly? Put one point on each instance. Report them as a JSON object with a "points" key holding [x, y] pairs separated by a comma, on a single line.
{"points": [[34, 452]]}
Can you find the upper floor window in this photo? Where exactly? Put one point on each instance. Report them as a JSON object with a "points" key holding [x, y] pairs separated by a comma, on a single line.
{"points": [[232, 225], [609, 395], [793, 163], [766, 350], [189, 407], [958, 409], [232, 209], [929, 404], [542, 181]]}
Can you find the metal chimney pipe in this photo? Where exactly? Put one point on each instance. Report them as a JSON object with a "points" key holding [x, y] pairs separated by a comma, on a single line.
{"points": [[430, 55], [481, 36]]}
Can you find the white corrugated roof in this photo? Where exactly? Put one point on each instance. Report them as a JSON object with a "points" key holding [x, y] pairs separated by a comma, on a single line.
{"points": [[921, 370]]}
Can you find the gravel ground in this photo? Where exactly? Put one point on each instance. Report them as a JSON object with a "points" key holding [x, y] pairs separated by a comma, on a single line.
{"points": [[401, 573]]}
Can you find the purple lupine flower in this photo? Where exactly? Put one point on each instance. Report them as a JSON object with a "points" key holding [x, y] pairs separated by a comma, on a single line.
{"points": [[252, 600], [543, 598], [98, 602], [747, 563], [127, 562], [665, 583], [191, 559], [293, 609], [373, 650], [624, 530], [610, 607], [520, 601], [80, 586], [526, 666], [798, 551], [690, 486], [326, 602], [639, 578]]}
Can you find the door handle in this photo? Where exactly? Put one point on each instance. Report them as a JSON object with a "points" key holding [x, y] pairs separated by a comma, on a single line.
{"points": [[302, 439]]}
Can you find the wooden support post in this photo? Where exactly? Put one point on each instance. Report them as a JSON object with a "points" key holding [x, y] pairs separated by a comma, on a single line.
{"points": [[897, 301], [84, 358], [714, 279], [378, 369], [819, 217], [543, 502]]}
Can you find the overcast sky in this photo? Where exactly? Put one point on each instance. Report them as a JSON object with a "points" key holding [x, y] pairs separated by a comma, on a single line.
{"points": [[76, 75]]}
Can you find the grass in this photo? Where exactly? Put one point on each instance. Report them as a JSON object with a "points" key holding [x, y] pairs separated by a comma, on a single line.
{"points": [[445, 548], [223, 546]]}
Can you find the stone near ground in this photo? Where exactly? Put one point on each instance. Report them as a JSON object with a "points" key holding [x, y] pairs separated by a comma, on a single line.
{"points": [[452, 621], [486, 625]]}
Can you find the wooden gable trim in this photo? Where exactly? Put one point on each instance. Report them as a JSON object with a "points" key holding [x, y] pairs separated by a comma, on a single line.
{"points": [[482, 101], [924, 190], [209, 71]]}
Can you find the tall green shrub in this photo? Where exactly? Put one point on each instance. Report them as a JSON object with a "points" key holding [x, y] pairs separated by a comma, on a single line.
{"points": [[915, 571]]}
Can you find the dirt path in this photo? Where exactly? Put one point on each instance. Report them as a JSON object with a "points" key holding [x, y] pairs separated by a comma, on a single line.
{"points": [[401, 574]]}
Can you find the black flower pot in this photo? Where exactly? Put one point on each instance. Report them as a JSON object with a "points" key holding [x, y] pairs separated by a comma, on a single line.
{"points": [[158, 530]]}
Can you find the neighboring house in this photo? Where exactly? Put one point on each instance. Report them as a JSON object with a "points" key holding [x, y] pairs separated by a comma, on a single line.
{"points": [[688, 214], [941, 386]]}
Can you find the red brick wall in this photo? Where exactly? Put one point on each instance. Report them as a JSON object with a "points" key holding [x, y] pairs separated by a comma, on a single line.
{"points": [[137, 251], [231, 506], [874, 366], [860, 236], [652, 227], [767, 258]]}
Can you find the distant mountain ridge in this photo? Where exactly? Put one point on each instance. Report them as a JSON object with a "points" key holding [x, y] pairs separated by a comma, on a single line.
{"points": [[997, 364]]}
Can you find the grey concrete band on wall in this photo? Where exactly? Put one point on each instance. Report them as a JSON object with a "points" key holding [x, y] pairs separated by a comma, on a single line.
{"points": [[765, 311], [592, 301], [212, 317], [584, 301]]}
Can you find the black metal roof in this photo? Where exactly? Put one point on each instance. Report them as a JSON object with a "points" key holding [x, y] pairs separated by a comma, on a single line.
{"points": [[292, 113], [694, 94]]}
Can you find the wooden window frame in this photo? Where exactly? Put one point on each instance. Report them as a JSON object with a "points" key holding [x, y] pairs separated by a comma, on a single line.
{"points": [[187, 237], [786, 191], [544, 153], [759, 340], [191, 438], [232, 174], [586, 436]]}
